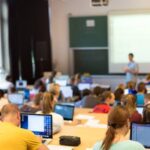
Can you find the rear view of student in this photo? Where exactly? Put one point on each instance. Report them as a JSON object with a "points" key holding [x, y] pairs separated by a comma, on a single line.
{"points": [[47, 105], [118, 122], [140, 94], [146, 114], [118, 95], [129, 102], [104, 107]]}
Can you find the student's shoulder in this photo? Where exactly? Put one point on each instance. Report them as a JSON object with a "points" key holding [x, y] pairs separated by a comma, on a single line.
{"points": [[131, 144], [97, 146]]}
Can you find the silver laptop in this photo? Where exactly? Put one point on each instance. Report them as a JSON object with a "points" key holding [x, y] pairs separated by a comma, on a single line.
{"points": [[39, 124]]}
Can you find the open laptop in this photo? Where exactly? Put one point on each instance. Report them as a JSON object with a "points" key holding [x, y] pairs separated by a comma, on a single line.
{"points": [[140, 133], [16, 98], [67, 111], [66, 91], [21, 84], [83, 86], [39, 124], [140, 109]]}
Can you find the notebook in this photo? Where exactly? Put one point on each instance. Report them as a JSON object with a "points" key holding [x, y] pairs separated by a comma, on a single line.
{"points": [[67, 111], [140, 133], [39, 124], [16, 98]]}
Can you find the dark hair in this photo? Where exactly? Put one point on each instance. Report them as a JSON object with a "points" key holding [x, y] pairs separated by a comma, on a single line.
{"points": [[97, 91], [1, 93], [38, 98], [141, 87], [86, 92], [131, 54], [117, 118], [9, 78], [39, 85], [146, 114], [131, 85], [118, 93]]}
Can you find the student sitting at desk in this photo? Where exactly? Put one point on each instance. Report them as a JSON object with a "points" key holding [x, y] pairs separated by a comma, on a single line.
{"points": [[47, 105], [118, 95], [3, 100], [129, 102], [12, 137], [118, 127], [140, 94], [146, 114], [104, 107]]}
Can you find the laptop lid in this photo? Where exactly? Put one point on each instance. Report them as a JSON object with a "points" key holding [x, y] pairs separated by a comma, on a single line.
{"points": [[140, 133], [67, 91], [21, 84], [39, 124], [67, 111], [16, 98], [83, 86]]}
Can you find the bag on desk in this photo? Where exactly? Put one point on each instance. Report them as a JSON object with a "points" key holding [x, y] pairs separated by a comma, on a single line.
{"points": [[69, 140]]}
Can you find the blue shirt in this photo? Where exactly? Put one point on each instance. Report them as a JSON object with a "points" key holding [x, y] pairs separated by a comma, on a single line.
{"points": [[130, 76]]}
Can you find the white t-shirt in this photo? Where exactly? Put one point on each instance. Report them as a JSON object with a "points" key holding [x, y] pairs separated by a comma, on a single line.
{"points": [[3, 101], [58, 121]]}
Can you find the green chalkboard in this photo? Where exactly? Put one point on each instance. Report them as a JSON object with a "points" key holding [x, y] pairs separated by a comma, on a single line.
{"points": [[92, 61], [83, 35]]}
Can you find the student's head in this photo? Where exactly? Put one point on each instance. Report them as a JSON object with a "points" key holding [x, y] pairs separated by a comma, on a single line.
{"points": [[147, 99], [10, 113], [146, 114], [1, 93], [37, 99], [131, 85], [86, 92], [47, 103], [118, 124], [97, 91], [55, 89], [118, 94], [108, 97], [148, 77], [9, 78], [130, 56], [129, 102], [39, 85], [141, 88]]}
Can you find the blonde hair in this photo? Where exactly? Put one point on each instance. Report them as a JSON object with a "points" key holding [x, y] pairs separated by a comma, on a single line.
{"points": [[46, 103], [55, 89]]}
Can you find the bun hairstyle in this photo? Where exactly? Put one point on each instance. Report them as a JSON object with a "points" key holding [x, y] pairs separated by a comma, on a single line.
{"points": [[146, 114], [117, 118]]}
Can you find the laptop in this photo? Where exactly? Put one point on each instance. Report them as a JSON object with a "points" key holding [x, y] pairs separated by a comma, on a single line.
{"points": [[66, 91], [83, 86], [67, 111], [140, 109], [39, 124], [21, 84], [140, 133], [16, 98], [61, 82]]}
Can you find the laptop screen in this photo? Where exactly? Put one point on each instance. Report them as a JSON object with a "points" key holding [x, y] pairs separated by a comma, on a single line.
{"points": [[16, 98], [67, 111], [37, 123], [21, 84], [140, 133], [140, 109], [83, 86], [67, 91]]}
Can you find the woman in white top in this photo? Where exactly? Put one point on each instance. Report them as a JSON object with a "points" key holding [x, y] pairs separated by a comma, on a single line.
{"points": [[47, 105], [3, 100]]}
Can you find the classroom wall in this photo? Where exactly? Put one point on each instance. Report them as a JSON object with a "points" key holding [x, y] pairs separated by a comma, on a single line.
{"points": [[62, 9]]}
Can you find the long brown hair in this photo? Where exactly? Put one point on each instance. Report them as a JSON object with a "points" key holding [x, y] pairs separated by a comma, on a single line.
{"points": [[47, 103], [129, 101], [117, 118]]}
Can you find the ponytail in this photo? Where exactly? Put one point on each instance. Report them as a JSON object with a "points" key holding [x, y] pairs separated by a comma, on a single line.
{"points": [[110, 135]]}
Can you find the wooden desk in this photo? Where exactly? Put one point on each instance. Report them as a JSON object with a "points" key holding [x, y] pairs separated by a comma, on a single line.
{"points": [[88, 135]]}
